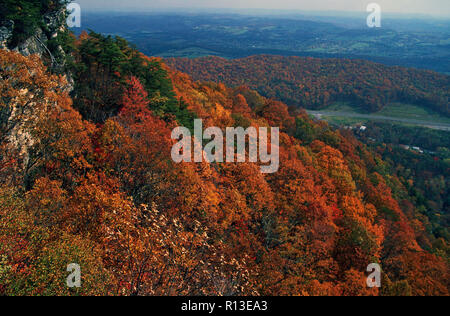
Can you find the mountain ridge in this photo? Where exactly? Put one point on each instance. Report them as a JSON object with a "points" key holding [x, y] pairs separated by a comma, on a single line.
{"points": [[315, 83]]}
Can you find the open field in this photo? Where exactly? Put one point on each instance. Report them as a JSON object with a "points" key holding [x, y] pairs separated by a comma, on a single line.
{"points": [[345, 114]]}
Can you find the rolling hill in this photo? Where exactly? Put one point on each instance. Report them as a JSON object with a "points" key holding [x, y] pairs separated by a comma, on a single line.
{"points": [[314, 83]]}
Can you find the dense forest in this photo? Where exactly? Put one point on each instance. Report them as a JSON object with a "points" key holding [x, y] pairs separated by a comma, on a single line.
{"points": [[428, 139], [108, 196], [101, 67], [86, 177], [314, 83], [420, 158]]}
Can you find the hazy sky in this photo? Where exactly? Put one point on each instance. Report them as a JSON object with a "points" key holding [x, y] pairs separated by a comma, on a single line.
{"points": [[428, 7]]}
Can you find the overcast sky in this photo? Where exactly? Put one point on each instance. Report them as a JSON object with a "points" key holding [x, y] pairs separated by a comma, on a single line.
{"points": [[428, 7]]}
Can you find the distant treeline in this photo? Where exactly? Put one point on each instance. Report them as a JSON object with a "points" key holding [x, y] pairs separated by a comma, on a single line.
{"points": [[425, 138]]}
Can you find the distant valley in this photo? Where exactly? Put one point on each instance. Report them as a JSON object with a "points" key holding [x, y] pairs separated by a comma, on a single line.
{"points": [[406, 42]]}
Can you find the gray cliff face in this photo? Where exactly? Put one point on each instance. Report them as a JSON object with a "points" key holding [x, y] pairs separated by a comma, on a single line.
{"points": [[5, 33], [33, 45], [19, 137], [37, 43]]}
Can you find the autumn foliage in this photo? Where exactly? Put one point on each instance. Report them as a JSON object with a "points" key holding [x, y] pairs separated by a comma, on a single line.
{"points": [[315, 83], [109, 197]]}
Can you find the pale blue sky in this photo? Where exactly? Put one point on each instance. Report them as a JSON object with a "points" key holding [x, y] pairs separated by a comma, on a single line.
{"points": [[427, 7]]}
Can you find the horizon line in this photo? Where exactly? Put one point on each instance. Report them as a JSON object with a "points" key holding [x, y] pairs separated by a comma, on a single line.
{"points": [[260, 11]]}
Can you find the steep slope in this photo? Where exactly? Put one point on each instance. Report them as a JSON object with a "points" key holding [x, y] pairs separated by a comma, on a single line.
{"points": [[109, 197], [358, 220]]}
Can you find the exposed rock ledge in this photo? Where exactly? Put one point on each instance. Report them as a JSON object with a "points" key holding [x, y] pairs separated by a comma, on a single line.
{"points": [[37, 43]]}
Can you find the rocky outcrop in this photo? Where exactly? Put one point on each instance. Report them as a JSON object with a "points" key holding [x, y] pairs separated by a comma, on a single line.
{"points": [[37, 44], [54, 24], [17, 114], [33, 45], [6, 30]]}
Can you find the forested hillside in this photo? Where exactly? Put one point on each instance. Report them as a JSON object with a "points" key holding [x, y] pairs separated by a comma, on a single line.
{"points": [[317, 83], [89, 179]]}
